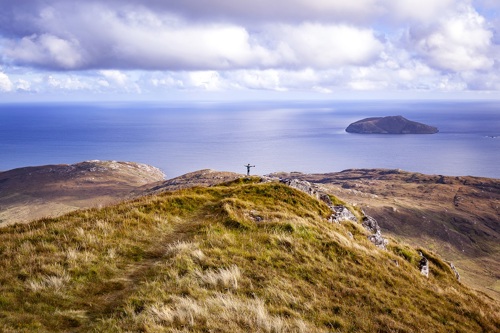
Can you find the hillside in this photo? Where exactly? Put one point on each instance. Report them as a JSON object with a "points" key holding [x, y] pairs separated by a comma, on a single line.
{"points": [[238, 257], [52, 190], [205, 177], [457, 217]]}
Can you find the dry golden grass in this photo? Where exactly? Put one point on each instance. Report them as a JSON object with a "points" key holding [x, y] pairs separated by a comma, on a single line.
{"points": [[200, 260], [457, 217]]}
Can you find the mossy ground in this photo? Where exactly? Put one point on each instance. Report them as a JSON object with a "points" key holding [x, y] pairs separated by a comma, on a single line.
{"points": [[240, 257]]}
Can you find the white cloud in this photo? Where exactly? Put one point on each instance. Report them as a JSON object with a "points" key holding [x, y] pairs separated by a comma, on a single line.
{"points": [[293, 11], [461, 42], [98, 37], [207, 80], [67, 82], [95, 36], [324, 46], [46, 50], [152, 46], [448, 84], [418, 10], [23, 85], [257, 79], [5, 83], [367, 85], [194, 47], [266, 11], [162, 80], [115, 76]]}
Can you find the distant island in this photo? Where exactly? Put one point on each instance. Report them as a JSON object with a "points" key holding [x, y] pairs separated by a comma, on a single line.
{"points": [[389, 125]]}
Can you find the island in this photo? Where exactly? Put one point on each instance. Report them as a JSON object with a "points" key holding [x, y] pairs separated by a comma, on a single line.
{"points": [[389, 125]]}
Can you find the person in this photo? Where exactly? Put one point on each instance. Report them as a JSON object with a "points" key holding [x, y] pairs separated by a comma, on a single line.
{"points": [[248, 166]]}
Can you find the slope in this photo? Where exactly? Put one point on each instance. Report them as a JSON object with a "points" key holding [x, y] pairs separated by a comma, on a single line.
{"points": [[243, 256], [52, 190], [457, 217]]}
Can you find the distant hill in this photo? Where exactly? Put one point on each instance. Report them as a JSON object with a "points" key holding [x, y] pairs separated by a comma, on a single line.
{"points": [[51, 190], [241, 256], [205, 177], [389, 125]]}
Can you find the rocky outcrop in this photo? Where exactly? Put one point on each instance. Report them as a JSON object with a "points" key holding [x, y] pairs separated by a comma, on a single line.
{"points": [[423, 265], [454, 269], [339, 213], [342, 213], [389, 125], [378, 240], [304, 186], [370, 224]]}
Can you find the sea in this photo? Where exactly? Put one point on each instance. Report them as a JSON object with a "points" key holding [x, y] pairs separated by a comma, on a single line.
{"points": [[304, 136]]}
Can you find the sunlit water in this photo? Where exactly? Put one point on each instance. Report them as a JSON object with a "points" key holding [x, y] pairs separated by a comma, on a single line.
{"points": [[275, 136]]}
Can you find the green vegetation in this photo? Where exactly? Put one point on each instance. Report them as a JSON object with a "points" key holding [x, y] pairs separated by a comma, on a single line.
{"points": [[244, 256]]}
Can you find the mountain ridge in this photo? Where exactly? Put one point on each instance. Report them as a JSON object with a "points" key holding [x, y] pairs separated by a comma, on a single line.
{"points": [[454, 216], [250, 254]]}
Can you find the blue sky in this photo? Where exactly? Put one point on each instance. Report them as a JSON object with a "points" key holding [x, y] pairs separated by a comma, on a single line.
{"points": [[227, 49]]}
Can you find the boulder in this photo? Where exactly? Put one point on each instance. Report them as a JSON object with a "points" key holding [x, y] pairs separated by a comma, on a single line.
{"points": [[423, 265]]}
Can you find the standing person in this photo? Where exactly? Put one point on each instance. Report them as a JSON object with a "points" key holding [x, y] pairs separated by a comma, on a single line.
{"points": [[248, 166]]}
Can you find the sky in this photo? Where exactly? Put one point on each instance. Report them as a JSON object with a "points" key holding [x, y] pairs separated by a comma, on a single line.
{"points": [[231, 49]]}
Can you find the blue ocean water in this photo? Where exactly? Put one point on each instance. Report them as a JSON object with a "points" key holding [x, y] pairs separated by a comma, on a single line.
{"points": [[275, 136]]}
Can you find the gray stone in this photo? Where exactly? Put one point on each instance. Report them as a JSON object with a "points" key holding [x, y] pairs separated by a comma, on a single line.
{"points": [[378, 240], [454, 269], [342, 213], [423, 265], [326, 199], [370, 224], [301, 185]]}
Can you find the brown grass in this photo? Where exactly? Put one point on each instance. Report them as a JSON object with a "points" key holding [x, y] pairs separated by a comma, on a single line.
{"points": [[198, 260]]}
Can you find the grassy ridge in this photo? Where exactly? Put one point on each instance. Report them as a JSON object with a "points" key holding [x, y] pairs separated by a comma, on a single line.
{"points": [[241, 257]]}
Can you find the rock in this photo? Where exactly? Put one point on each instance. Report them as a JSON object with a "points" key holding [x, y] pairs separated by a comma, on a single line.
{"points": [[326, 199], [370, 224], [423, 265], [378, 240], [301, 185], [454, 269], [457, 199], [341, 213], [389, 125]]}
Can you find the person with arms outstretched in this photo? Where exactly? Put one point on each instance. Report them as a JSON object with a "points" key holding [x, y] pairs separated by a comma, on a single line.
{"points": [[248, 166]]}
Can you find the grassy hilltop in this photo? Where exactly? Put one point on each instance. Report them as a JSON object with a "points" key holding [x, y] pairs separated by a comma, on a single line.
{"points": [[238, 257]]}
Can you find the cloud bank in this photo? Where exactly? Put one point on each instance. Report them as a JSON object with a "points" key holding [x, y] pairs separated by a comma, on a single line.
{"points": [[151, 46]]}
